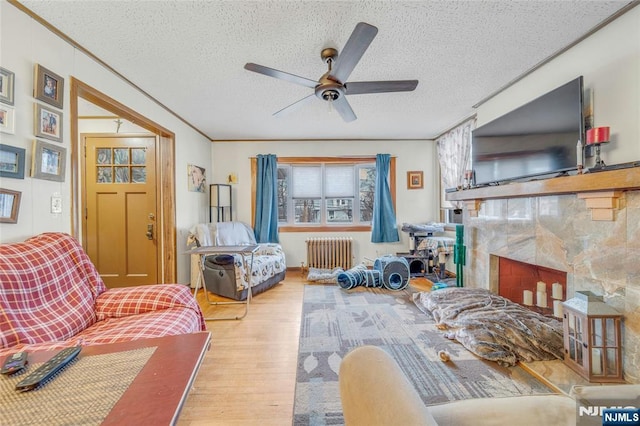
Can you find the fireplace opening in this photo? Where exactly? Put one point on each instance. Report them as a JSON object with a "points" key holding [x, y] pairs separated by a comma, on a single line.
{"points": [[538, 288]]}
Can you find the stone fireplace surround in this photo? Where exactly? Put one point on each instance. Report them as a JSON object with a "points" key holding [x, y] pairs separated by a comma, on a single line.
{"points": [[555, 230]]}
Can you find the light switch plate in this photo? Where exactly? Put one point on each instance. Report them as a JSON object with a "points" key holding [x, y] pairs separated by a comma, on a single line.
{"points": [[56, 204]]}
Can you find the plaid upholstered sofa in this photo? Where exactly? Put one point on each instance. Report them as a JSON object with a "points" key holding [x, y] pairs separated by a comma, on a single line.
{"points": [[51, 296]]}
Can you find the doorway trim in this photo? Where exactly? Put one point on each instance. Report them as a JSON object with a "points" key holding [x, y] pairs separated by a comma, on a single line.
{"points": [[167, 256]]}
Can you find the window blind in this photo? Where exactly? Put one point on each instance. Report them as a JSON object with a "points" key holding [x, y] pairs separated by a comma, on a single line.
{"points": [[307, 182], [339, 181]]}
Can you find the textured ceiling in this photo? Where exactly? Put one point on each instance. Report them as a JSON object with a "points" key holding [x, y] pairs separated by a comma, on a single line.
{"points": [[189, 55]]}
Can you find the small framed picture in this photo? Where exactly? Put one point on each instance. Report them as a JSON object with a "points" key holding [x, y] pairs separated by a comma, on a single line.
{"points": [[7, 86], [7, 119], [12, 162], [48, 123], [48, 161], [197, 179], [49, 87], [414, 180], [9, 205]]}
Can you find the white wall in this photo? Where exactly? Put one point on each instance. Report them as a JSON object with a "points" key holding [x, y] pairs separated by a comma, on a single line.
{"points": [[609, 60], [413, 206], [108, 126], [23, 44]]}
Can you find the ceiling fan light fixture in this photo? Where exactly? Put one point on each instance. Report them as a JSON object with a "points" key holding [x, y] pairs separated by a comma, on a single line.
{"points": [[330, 96], [327, 88]]}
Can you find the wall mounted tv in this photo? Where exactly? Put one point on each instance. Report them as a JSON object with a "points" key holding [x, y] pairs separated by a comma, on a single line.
{"points": [[538, 138]]}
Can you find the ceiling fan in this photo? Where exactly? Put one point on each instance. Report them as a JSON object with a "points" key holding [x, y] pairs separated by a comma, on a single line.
{"points": [[333, 86]]}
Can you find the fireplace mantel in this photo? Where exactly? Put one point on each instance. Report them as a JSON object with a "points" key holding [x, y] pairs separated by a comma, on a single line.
{"points": [[601, 190]]}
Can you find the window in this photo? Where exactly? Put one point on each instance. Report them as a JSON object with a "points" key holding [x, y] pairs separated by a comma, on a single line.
{"points": [[325, 194]]}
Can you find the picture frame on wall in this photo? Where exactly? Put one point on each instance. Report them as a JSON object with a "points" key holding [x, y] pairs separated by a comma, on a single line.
{"points": [[48, 161], [7, 86], [48, 87], [7, 119], [9, 205], [197, 178], [12, 161], [48, 123], [415, 180]]}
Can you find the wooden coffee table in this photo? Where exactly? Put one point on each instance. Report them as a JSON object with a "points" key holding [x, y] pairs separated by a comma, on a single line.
{"points": [[156, 395]]}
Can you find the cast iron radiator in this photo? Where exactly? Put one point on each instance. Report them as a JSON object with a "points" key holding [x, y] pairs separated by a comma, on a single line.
{"points": [[329, 252]]}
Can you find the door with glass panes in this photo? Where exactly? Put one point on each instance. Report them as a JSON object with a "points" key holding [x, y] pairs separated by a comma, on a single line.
{"points": [[120, 206]]}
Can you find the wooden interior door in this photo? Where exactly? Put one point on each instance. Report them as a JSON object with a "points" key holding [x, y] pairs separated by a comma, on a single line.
{"points": [[120, 220]]}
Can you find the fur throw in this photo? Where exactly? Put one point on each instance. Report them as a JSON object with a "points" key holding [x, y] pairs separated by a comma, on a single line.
{"points": [[492, 327], [325, 276]]}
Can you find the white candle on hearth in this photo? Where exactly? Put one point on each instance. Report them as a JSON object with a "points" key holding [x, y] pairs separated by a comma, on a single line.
{"points": [[541, 298], [527, 297], [556, 291], [542, 286], [557, 308]]}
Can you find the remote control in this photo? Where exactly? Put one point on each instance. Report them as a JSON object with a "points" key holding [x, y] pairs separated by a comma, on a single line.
{"points": [[48, 369], [14, 363]]}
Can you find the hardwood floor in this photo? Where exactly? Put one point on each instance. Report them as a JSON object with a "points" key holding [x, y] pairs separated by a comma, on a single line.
{"points": [[248, 376]]}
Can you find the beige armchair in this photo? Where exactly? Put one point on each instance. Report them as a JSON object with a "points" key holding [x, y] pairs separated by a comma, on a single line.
{"points": [[398, 403]]}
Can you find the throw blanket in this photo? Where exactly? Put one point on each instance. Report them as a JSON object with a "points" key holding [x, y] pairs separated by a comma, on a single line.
{"points": [[325, 276], [221, 234], [234, 233], [492, 327]]}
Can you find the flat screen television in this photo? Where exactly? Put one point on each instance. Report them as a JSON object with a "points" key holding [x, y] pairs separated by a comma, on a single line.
{"points": [[536, 139]]}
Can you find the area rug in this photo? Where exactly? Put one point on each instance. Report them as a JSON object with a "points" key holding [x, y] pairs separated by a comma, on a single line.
{"points": [[334, 321]]}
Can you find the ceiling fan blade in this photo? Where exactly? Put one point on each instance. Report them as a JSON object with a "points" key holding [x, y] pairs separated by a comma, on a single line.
{"points": [[362, 87], [358, 42], [344, 109], [294, 106], [261, 69]]}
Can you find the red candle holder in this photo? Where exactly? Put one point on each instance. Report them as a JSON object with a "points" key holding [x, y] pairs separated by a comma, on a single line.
{"points": [[597, 136]]}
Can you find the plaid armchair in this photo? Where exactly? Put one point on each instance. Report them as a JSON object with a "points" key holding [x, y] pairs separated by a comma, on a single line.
{"points": [[51, 296]]}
